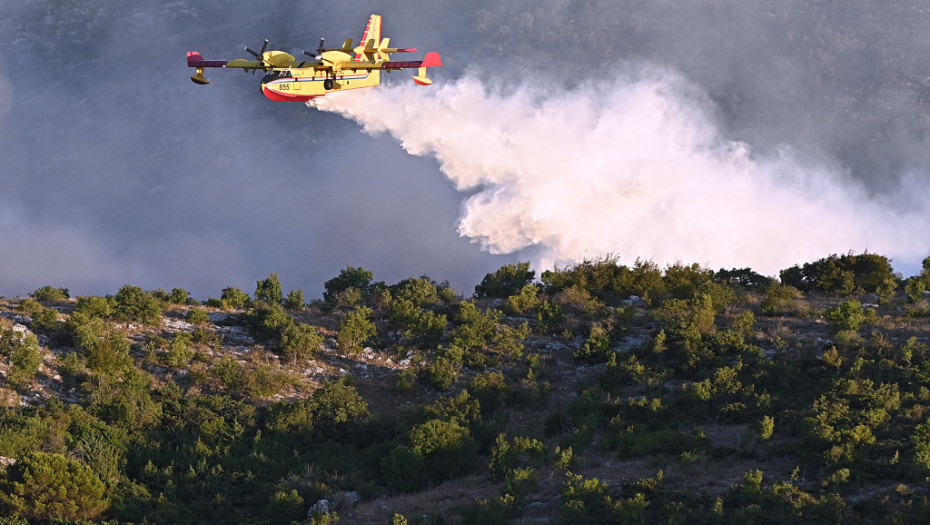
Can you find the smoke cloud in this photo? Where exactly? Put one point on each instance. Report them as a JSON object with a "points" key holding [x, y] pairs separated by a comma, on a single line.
{"points": [[773, 133], [634, 165]]}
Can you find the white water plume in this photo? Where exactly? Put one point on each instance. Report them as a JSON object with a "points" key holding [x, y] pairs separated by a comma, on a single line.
{"points": [[634, 166]]}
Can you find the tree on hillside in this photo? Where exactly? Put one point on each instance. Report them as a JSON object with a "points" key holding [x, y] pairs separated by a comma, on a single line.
{"points": [[745, 278], [350, 278], [50, 487], [505, 281], [298, 343], [24, 358], [179, 296], [269, 290], [844, 274], [132, 305], [107, 353], [50, 293], [295, 300], [354, 329]]}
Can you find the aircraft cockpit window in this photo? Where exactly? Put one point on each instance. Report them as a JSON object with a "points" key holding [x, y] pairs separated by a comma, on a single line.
{"points": [[276, 75]]}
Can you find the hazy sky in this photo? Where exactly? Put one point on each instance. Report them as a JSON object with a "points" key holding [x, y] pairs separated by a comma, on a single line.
{"points": [[730, 133]]}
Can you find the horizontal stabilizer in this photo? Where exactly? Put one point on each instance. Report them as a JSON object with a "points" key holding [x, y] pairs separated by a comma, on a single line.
{"points": [[430, 60]]}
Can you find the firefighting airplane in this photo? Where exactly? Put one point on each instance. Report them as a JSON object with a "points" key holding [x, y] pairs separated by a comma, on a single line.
{"points": [[290, 80]]}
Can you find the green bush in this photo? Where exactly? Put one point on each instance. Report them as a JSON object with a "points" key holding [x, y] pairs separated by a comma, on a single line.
{"points": [[358, 279], [848, 315], [524, 302], [198, 316], [779, 299], [354, 330], [179, 351], [505, 281], [507, 455], [108, 354], [233, 297], [844, 274], [447, 448], [132, 305], [44, 319], [298, 343], [269, 290], [44, 486], [24, 361], [50, 293], [597, 347], [295, 300]]}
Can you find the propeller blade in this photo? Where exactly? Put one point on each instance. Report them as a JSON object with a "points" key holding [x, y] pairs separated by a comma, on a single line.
{"points": [[260, 56], [320, 49]]}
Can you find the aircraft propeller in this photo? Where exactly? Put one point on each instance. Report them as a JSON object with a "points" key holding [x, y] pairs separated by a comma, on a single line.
{"points": [[260, 55], [319, 51]]}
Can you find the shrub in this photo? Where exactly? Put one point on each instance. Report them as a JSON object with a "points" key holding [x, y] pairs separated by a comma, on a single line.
{"points": [[53, 487], [491, 389], [108, 354], [442, 373], [844, 274], [24, 362], [269, 290], [766, 427], [198, 316], [298, 343], [446, 447], [179, 296], [779, 299], [295, 300], [355, 278], [132, 305], [50, 293], [234, 298], [524, 302], [506, 281], [354, 330], [846, 316], [179, 351], [597, 347], [45, 320], [403, 469], [507, 455]]}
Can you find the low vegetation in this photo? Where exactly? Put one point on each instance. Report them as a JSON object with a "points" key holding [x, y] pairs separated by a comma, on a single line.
{"points": [[599, 393]]}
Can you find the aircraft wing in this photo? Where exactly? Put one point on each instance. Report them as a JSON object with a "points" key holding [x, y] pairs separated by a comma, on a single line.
{"points": [[194, 59], [430, 60], [245, 64]]}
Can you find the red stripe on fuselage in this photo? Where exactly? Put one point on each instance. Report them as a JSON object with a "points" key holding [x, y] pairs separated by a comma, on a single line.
{"points": [[280, 97]]}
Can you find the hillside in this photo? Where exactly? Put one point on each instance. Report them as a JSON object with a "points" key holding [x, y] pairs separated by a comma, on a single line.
{"points": [[596, 393]]}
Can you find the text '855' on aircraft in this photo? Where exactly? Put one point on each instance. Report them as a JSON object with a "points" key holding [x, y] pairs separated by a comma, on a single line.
{"points": [[331, 70]]}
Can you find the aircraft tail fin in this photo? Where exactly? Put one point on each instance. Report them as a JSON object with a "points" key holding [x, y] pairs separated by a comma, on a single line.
{"points": [[370, 38]]}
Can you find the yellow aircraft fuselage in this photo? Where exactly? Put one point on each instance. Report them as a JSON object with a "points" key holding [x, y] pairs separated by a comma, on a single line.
{"points": [[302, 84]]}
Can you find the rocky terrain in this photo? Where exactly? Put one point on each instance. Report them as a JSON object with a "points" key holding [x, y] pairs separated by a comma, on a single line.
{"points": [[731, 401]]}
